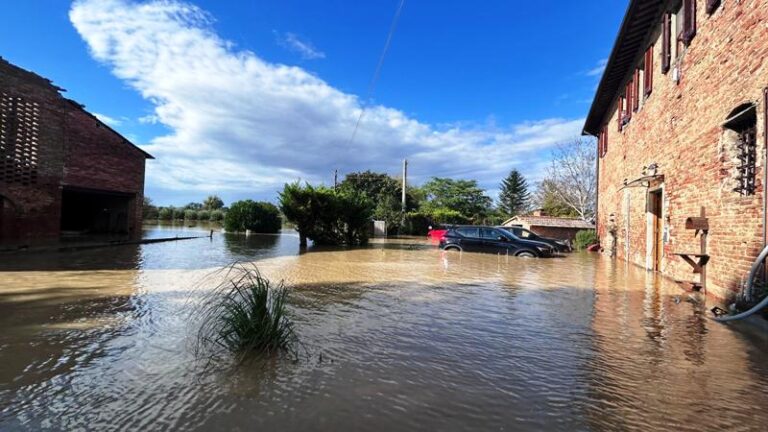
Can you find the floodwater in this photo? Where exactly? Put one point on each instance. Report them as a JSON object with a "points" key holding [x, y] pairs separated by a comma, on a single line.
{"points": [[395, 336]]}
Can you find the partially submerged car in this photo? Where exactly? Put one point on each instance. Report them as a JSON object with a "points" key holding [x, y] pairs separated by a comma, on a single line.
{"points": [[492, 240], [561, 246]]}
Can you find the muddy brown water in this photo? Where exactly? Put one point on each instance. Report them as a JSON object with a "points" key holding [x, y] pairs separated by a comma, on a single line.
{"points": [[398, 336]]}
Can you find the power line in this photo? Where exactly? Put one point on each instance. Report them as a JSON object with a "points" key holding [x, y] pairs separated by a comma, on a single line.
{"points": [[377, 72]]}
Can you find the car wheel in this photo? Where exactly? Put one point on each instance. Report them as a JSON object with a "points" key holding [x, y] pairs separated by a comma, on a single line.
{"points": [[526, 254], [452, 248]]}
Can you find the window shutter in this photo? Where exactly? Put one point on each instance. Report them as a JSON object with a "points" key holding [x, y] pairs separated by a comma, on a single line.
{"points": [[712, 6], [628, 109], [621, 113], [605, 140], [666, 43], [636, 91], [689, 21], [648, 75]]}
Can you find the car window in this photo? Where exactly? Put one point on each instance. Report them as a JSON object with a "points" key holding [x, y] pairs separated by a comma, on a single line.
{"points": [[469, 232], [489, 233], [523, 234]]}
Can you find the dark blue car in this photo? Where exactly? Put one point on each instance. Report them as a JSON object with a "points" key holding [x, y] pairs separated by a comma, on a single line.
{"points": [[492, 240]]}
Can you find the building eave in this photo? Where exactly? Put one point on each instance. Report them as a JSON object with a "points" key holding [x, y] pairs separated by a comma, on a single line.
{"points": [[639, 21]]}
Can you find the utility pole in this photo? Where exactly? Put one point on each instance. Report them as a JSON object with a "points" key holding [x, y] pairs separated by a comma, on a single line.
{"points": [[335, 178], [405, 181]]}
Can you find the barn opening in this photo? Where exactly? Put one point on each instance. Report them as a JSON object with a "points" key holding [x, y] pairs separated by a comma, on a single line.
{"points": [[94, 212]]}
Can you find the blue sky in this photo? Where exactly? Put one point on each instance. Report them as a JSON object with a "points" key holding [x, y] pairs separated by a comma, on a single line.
{"points": [[237, 98]]}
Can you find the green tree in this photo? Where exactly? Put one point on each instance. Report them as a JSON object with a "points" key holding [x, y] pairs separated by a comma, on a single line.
{"points": [[165, 213], [462, 196], [550, 202], [514, 196], [213, 202], [148, 210], [386, 192], [261, 217], [326, 216], [193, 206]]}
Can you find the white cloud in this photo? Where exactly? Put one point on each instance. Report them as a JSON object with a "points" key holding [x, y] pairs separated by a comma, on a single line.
{"points": [[110, 121], [239, 123], [294, 43], [599, 68]]}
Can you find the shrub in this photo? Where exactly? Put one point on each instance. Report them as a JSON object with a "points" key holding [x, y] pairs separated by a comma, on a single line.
{"points": [[584, 238], [190, 215], [261, 217], [327, 216], [203, 215], [246, 315], [442, 215], [217, 216], [165, 213]]}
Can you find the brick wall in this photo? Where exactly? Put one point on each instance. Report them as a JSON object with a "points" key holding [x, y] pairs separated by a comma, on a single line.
{"points": [[73, 149], [679, 127]]}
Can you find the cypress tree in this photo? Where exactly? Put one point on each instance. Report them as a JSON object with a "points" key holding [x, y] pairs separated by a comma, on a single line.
{"points": [[514, 196]]}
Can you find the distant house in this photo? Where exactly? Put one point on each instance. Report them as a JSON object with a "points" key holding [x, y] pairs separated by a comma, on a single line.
{"points": [[62, 170], [550, 226]]}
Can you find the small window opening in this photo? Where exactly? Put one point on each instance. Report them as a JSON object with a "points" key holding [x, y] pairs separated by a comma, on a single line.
{"points": [[740, 133]]}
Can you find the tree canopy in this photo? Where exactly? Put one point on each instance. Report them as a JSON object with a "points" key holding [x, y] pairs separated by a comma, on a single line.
{"points": [[514, 197], [462, 196]]}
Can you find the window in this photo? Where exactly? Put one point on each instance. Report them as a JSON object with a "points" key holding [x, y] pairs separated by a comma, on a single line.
{"points": [[712, 6], [740, 132], [689, 21], [469, 232], [620, 113], [602, 142], [666, 43], [636, 91], [19, 122], [490, 234], [524, 234], [648, 72]]}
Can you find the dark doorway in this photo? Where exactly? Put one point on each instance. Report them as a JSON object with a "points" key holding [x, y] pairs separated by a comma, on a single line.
{"points": [[94, 212], [655, 208]]}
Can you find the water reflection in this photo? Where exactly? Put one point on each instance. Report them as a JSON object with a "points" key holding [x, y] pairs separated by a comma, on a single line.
{"points": [[400, 337]]}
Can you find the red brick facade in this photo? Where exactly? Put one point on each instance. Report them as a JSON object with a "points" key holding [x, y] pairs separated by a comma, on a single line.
{"points": [[49, 145], [680, 127]]}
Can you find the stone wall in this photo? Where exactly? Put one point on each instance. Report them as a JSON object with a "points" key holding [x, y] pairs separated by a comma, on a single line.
{"points": [[679, 127]]}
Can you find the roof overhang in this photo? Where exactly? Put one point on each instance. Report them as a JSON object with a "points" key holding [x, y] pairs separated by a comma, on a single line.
{"points": [[639, 21]]}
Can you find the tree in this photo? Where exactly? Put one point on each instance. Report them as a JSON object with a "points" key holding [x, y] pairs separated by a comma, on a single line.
{"points": [[514, 196], [548, 200], [463, 196], [327, 216], [383, 190], [193, 206], [213, 202], [148, 210], [261, 217], [573, 176], [371, 184]]}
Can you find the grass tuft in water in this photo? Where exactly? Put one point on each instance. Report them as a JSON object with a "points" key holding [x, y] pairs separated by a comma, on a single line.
{"points": [[246, 315]]}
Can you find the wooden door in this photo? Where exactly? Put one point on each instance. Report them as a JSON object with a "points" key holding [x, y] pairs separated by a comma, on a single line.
{"points": [[657, 227]]}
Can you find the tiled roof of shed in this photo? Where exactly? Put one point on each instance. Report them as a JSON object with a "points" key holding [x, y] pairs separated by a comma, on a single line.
{"points": [[551, 221]]}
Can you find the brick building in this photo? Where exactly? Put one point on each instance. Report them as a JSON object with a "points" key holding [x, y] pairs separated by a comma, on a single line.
{"points": [[61, 169], [680, 117]]}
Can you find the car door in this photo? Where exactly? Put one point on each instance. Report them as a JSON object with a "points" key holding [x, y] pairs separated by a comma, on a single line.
{"points": [[495, 241], [470, 239]]}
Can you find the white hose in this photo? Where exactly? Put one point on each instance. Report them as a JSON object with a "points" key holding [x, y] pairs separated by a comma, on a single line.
{"points": [[756, 308]]}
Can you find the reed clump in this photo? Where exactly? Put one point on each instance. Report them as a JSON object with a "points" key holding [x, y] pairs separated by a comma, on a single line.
{"points": [[246, 315]]}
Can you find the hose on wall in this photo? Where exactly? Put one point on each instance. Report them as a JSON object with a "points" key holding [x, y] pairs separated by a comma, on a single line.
{"points": [[763, 303]]}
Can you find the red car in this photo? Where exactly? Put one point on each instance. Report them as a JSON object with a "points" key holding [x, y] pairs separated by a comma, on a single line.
{"points": [[435, 235]]}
